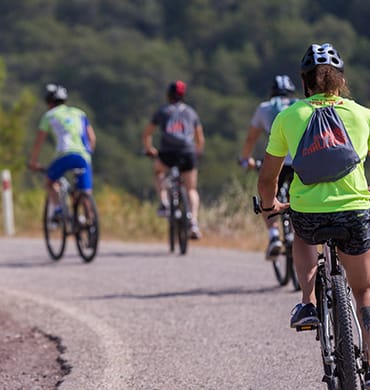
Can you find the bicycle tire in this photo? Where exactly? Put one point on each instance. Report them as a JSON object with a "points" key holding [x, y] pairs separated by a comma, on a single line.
{"points": [[280, 267], [183, 222], [345, 356], [172, 224], [86, 226], [55, 233], [281, 264], [326, 343]]}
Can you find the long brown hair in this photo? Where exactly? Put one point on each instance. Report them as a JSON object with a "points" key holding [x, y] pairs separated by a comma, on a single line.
{"points": [[325, 79]]}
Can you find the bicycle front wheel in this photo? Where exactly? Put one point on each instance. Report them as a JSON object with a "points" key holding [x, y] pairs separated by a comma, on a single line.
{"points": [[54, 232], [280, 265], [345, 357], [86, 225]]}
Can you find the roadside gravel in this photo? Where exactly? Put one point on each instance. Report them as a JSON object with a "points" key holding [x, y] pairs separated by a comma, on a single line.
{"points": [[29, 358]]}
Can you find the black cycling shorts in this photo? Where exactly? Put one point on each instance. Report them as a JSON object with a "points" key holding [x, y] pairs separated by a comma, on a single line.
{"points": [[356, 221], [184, 161]]}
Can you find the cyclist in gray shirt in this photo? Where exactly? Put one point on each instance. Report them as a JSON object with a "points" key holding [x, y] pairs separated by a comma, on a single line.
{"points": [[181, 142], [280, 98]]}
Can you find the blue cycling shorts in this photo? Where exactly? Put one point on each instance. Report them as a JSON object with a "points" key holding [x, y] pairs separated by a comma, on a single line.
{"points": [[69, 162]]}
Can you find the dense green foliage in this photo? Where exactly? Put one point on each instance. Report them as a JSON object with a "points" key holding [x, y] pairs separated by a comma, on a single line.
{"points": [[117, 56]]}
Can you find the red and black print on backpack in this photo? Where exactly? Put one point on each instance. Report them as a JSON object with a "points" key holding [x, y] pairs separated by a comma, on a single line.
{"points": [[325, 152]]}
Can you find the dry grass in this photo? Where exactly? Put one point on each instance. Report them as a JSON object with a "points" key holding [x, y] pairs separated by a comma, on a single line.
{"points": [[229, 223]]}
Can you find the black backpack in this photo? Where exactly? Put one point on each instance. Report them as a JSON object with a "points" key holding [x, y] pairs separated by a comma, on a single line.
{"points": [[325, 152]]}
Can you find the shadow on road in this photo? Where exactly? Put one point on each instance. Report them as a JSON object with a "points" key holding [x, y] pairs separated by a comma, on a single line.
{"points": [[189, 293], [137, 254], [38, 261]]}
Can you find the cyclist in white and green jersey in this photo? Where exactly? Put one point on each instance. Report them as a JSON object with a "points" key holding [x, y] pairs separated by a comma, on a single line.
{"points": [[75, 141]]}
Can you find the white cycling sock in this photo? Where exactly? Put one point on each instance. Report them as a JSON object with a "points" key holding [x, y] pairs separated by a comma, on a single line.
{"points": [[273, 232]]}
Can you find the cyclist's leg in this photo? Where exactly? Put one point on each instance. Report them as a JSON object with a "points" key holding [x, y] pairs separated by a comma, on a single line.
{"points": [[160, 169], [190, 182], [187, 163], [54, 172], [355, 258], [305, 261], [84, 179]]}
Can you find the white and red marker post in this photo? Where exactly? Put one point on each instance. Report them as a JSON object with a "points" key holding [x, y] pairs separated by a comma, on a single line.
{"points": [[7, 196]]}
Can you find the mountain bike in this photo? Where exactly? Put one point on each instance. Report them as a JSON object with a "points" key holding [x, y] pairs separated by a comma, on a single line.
{"points": [[78, 217], [179, 217], [283, 264], [339, 331]]}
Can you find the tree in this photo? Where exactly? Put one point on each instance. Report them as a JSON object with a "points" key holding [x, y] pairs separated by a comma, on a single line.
{"points": [[13, 124]]}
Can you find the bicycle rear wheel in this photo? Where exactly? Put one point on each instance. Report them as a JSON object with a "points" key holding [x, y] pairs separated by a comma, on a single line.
{"points": [[345, 357], [86, 225], [54, 232], [183, 222]]}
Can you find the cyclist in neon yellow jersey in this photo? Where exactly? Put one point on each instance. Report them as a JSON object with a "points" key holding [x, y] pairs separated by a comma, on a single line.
{"points": [[344, 201], [75, 141]]}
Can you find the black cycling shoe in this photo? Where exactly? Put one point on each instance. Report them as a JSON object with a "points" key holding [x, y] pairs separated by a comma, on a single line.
{"points": [[304, 315]]}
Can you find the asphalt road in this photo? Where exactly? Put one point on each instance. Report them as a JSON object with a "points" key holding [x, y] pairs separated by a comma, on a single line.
{"points": [[141, 318]]}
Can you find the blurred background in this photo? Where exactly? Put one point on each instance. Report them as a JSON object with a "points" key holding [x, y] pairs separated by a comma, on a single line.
{"points": [[116, 58]]}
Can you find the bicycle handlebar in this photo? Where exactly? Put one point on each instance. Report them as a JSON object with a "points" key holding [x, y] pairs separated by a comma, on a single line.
{"points": [[258, 209], [244, 163]]}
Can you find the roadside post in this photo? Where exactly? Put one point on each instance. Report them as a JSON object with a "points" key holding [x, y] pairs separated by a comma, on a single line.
{"points": [[7, 196]]}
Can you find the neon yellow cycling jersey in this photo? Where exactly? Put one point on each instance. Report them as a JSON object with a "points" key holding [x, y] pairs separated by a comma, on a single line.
{"points": [[350, 192]]}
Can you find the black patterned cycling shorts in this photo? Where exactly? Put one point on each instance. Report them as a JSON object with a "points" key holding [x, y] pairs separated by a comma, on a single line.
{"points": [[356, 221]]}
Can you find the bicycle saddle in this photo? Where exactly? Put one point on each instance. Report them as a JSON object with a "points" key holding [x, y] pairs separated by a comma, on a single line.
{"points": [[326, 233]]}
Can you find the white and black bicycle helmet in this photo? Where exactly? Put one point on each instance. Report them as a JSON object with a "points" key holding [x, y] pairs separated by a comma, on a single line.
{"points": [[324, 54], [55, 93], [282, 85]]}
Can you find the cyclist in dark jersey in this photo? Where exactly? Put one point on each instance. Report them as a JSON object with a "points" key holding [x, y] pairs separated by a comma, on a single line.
{"points": [[181, 141], [281, 97]]}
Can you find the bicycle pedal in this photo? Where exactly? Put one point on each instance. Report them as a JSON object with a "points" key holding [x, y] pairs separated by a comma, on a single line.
{"points": [[303, 328]]}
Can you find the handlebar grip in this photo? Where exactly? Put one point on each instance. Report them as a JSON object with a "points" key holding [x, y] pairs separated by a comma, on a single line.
{"points": [[256, 205]]}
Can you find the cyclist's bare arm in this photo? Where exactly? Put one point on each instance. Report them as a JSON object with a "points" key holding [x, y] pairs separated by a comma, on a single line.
{"points": [[148, 140], [199, 139], [268, 183], [250, 142], [39, 140], [91, 137]]}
